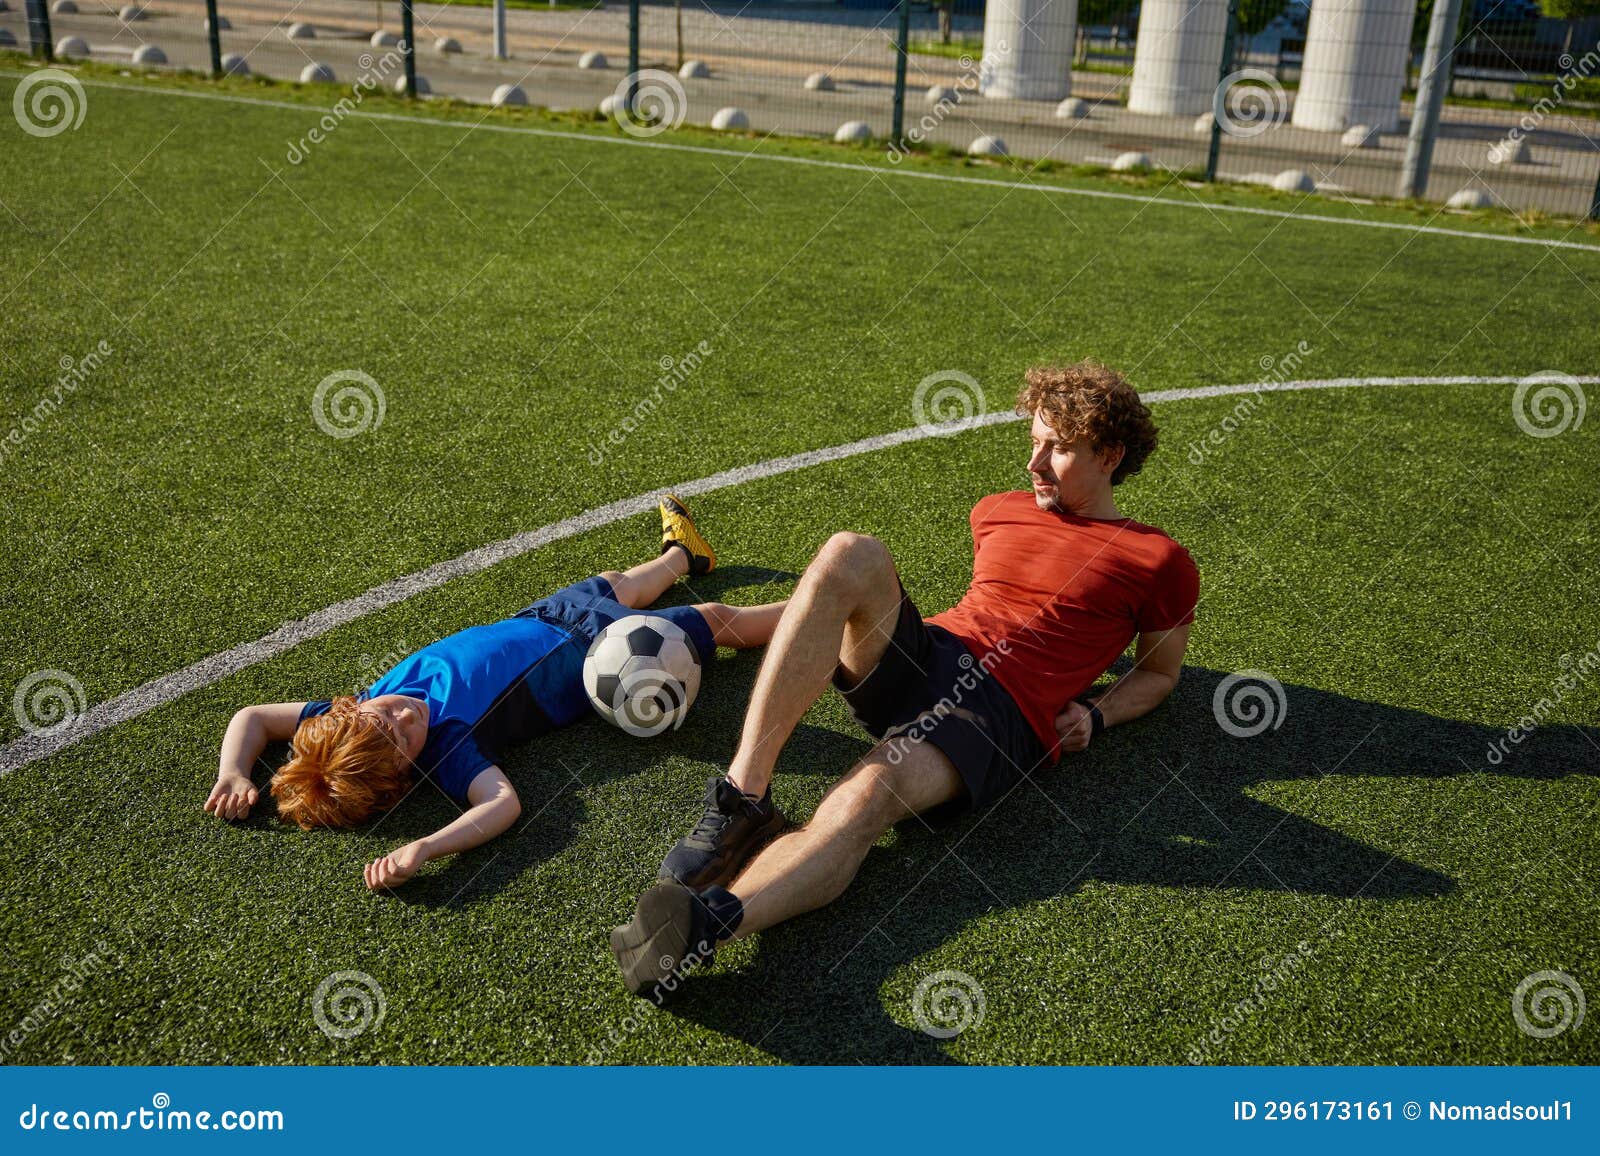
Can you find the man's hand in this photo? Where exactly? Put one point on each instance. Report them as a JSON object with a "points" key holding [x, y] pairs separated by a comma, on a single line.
{"points": [[395, 867], [232, 797], [1075, 726]]}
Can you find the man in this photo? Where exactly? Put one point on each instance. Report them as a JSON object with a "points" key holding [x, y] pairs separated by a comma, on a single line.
{"points": [[964, 706]]}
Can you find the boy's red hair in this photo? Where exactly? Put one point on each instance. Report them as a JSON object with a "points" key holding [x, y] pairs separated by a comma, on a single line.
{"points": [[345, 768]]}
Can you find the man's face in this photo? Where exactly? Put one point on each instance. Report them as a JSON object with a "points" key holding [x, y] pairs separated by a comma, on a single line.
{"points": [[1067, 476], [404, 719]]}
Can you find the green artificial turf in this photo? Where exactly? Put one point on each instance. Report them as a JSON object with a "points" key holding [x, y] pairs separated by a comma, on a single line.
{"points": [[1404, 560]]}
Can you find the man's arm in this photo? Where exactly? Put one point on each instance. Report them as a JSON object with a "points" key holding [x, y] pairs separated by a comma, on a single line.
{"points": [[1157, 662], [494, 807], [248, 733]]}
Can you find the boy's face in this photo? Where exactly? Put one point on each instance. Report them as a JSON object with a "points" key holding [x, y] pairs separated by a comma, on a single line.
{"points": [[405, 719]]}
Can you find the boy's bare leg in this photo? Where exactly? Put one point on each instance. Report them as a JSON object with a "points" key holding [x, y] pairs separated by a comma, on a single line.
{"points": [[811, 867], [741, 627], [641, 585], [843, 613]]}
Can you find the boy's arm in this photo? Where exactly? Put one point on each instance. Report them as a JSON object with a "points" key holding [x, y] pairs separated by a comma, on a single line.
{"points": [[494, 807], [248, 733]]}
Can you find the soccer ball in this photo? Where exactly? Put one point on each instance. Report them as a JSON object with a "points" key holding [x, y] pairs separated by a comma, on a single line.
{"points": [[641, 674]]}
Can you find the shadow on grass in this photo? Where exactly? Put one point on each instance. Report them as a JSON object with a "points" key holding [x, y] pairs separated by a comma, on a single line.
{"points": [[1165, 801], [548, 779], [768, 586]]}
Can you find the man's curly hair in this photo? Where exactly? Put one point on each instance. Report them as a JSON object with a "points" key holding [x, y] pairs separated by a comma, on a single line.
{"points": [[1089, 401]]}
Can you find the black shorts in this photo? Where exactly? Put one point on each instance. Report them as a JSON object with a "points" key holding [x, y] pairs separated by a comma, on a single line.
{"points": [[929, 686]]}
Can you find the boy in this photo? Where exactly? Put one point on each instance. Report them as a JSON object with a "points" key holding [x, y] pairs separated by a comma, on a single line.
{"points": [[452, 709]]}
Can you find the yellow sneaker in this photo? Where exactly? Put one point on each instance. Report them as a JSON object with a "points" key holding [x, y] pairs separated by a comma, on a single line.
{"points": [[678, 529]]}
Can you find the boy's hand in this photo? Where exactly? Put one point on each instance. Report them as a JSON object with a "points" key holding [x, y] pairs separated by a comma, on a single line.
{"points": [[232, 797], [395, 867]]}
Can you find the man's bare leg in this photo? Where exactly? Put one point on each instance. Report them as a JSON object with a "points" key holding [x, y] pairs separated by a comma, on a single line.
{"points": [[843, 613], [674, 928], [811, 867], [842, 616]]}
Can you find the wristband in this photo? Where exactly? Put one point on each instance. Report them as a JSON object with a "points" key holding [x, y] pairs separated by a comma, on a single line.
{"points": [[1097, 721]]}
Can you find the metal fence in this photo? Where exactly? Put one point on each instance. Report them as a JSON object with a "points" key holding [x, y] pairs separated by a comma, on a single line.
{"points": [[1345, 97]]}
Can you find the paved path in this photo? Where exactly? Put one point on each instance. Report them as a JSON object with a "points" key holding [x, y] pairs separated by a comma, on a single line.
{"points": [[758, 64]]}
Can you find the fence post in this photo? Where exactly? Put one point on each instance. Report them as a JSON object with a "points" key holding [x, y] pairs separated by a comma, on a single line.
{"points": [[499, 29], [39, 30], [1220, 95], [633, 57], [408, 48], [1432, 88], [214, 36], [901, 48]]}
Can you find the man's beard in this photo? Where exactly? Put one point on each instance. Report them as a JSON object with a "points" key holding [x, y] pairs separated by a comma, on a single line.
{"points": [[1051, 501]]}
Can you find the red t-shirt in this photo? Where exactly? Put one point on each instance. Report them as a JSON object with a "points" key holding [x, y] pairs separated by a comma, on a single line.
{"points": [[1056, 598]]}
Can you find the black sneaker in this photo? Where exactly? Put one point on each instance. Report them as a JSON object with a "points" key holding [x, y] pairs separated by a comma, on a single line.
{"points": [[673, 931], [731, 829]]}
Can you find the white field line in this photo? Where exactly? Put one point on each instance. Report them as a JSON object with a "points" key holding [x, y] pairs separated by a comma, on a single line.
{"points": [[171, 687], [848, 166]]}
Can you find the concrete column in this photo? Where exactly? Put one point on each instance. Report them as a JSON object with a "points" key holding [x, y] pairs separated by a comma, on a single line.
{"points": [[1355, 66], [1176, 56], [1027, 49]]}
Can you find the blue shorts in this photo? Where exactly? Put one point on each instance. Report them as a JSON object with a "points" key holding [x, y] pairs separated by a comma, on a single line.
{"points": [[586, 608]]}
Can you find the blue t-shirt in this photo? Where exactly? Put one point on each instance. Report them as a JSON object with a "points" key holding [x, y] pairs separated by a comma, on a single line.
{"points": [[488, 688]]}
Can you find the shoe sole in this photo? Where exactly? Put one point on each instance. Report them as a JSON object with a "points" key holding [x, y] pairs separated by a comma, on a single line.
{"points": [[650, 948], [730, 869]]}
